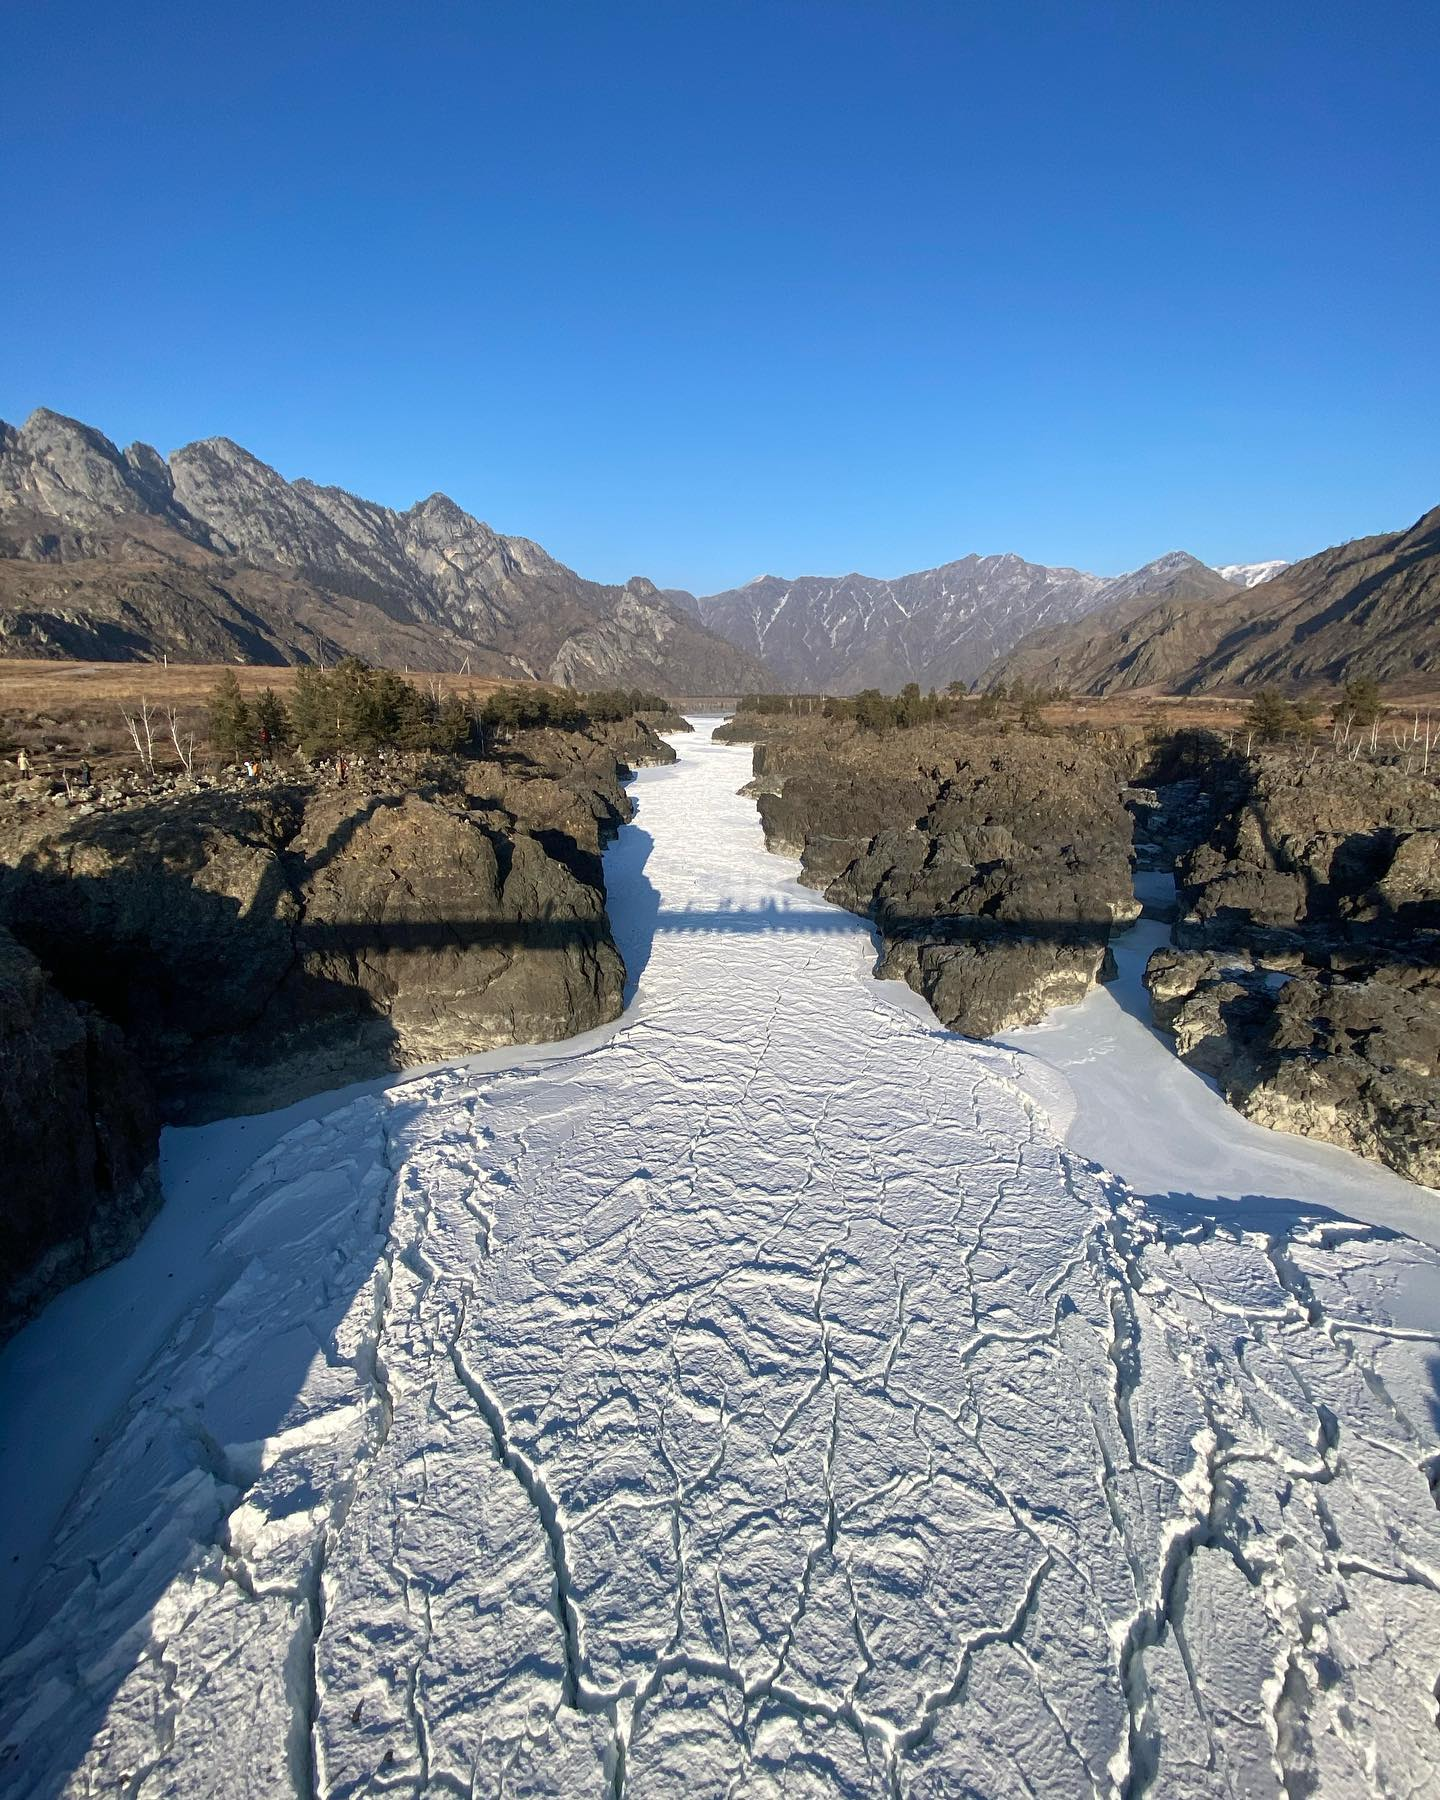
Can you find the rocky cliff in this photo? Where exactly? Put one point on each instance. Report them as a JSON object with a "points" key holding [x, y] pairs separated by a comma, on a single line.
{"points": [[214, 556], [995, 868], [78, 1123], [189, 955]]}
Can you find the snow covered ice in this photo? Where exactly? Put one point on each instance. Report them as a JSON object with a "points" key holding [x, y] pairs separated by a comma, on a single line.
{"points": [[758, 1397]]}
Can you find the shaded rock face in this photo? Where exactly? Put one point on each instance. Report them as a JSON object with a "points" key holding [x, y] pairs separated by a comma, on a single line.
{"points": [[1324, 857], [1183, 785], [78, 1122], [995, 869], [190, 956], [256, 949], [1306, 977]]}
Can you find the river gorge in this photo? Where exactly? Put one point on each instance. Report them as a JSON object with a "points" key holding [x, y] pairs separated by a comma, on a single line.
{"points": [[769, 1392]]}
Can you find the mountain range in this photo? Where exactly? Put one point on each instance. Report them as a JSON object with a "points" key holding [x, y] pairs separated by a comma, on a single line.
{"points": [[214, 557], [1367, 608], [936, 626]]}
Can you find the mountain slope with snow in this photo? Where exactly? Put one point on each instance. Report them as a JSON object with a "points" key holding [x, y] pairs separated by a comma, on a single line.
{"points": [[1370, 607], [1250, 575], [937, 626], [933, 627]]}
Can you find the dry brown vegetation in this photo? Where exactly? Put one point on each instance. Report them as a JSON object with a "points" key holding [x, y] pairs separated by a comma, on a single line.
{"points": [[61, 713]]}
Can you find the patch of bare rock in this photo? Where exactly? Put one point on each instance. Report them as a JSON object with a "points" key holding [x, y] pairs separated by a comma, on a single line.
{"points": [[185, 953]]}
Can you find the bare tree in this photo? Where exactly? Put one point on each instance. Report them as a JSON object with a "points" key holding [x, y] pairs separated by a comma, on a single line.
{"points": [[184, 749], [141, 727]]}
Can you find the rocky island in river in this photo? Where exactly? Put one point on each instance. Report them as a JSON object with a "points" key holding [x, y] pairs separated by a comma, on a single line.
{"points": [[996, 852]]}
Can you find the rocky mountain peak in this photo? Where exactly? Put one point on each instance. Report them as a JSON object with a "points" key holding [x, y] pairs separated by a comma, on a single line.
{"points": [[59, 468], [149, 476], [440, 509], [56, 463], [1177, 575], [305, 565]]}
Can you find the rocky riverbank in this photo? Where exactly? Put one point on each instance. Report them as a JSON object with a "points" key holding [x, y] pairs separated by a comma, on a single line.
{"points": [[186, 952], [1305, 974], [995, 867]]}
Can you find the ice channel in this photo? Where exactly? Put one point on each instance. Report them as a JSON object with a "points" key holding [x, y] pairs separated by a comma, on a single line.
{"points": [[760, 1397]]}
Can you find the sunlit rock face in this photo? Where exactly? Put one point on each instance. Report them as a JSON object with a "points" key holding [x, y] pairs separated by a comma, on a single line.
{"points": [[759, 1400], [995, 867], [1307, 980], [216, 557]]}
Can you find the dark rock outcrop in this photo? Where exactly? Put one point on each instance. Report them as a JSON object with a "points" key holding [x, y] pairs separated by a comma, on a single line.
{"points": [[188, 955], [78, 1125], [1306, 973], [254, 948], [1324, 855], [994, 868]]}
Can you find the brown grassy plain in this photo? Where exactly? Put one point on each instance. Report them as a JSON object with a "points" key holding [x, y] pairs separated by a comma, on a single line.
{"points": [[61, 713]]}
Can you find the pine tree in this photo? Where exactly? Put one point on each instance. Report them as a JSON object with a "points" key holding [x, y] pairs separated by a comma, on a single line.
{"points": [[312, 712], [1361, 702], [272, 722], [1270, 717], [231, 728]]}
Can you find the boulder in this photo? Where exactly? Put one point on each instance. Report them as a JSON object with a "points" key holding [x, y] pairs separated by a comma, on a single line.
{"points": [[461, 938]]}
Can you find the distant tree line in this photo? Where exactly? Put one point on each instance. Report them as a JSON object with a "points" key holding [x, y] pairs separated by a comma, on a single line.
{"points": [[355, 708], [876, 712], [528, 709], [1270, 718], [1276, 718]]}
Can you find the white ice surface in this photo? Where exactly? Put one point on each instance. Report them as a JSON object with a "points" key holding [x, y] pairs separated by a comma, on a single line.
{"points": [[758, 1397]]}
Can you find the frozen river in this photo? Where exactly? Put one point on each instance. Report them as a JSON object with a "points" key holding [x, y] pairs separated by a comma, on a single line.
{"points": [[759, 1397]]}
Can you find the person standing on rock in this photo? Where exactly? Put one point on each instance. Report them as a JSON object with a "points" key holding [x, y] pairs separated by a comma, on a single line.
{"points": [[85, 780], [22, 763]]}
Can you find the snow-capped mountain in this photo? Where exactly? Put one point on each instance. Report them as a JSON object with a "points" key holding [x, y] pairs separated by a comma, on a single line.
{"points": [[1364, 608], [936, 626], [1248, 575]]}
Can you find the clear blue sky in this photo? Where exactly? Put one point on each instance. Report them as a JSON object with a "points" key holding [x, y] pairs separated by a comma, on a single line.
{"points": [[701, 290]]}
